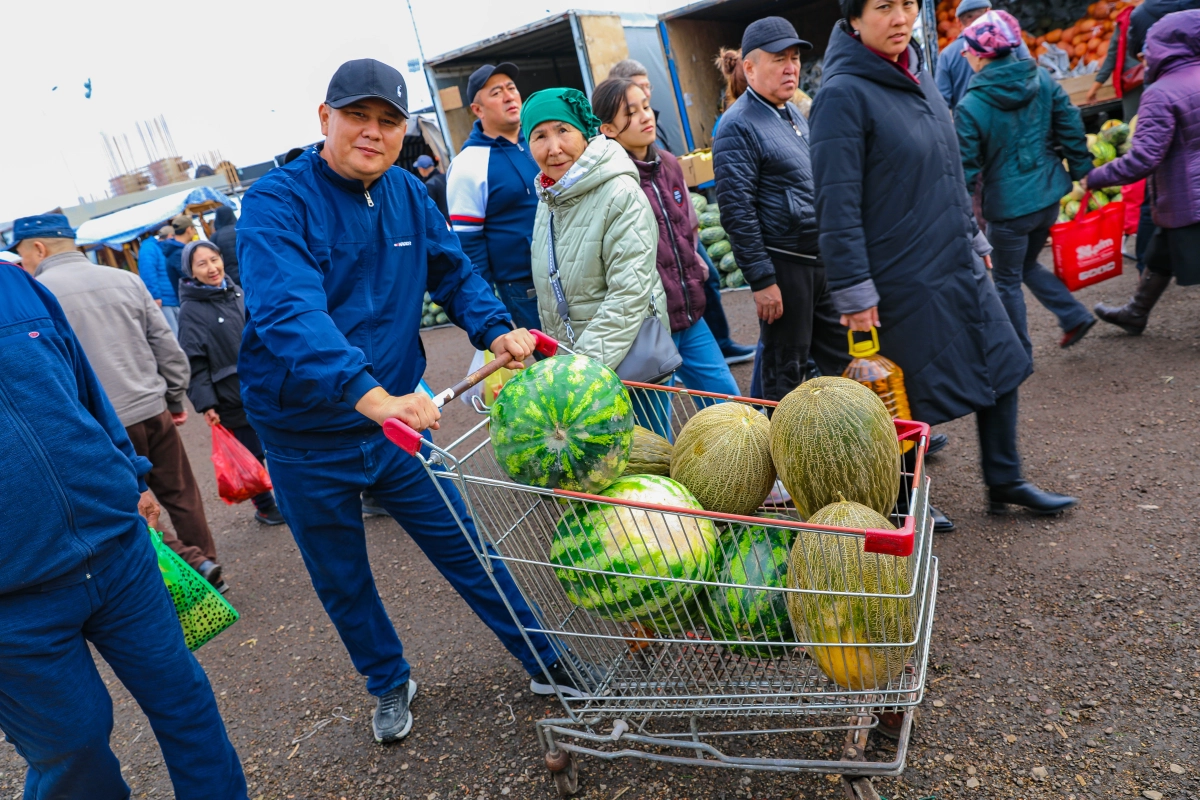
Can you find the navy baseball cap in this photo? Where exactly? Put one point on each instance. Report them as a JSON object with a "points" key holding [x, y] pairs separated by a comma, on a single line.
{"points": [[365, 78], [773, 35], [480, 76], [43, 226]]}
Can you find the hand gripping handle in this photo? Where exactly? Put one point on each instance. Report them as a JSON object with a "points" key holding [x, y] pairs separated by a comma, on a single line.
{"points": [[409, 440]]}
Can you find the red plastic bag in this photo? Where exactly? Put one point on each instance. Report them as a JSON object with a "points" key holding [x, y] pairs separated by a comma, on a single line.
{"points": [[240, 476], [1087, 249], [1133, 195]]}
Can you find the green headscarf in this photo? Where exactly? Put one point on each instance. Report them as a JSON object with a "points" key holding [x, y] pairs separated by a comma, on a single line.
{"points": [[562, 105]]}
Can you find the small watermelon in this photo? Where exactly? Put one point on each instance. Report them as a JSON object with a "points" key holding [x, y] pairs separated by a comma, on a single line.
{"points": [[442, 318], [749, 556], [619, 542], [712, 235], [717, 250], [712, 208], [699, 202], [564, 423], [728, 263], [710, 219], [735, 279], [1103, 152]]}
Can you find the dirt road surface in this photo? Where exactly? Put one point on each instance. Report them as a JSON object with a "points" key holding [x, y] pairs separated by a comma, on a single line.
{"points": [[1066, 653]]}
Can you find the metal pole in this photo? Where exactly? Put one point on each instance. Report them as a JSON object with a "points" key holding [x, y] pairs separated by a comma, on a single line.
{"points": [[416, 32]]}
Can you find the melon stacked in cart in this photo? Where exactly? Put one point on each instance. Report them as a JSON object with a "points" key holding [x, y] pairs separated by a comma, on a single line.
{"points": [[716, 243], [680, 556]]}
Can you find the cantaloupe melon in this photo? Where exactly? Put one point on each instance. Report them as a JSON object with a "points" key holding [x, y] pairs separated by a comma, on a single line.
{"points": [[723, 457], [830, 562], [832, 438], [650, 454]]}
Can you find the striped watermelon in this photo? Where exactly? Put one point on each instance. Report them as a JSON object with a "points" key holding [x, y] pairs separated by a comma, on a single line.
{"points": [[621, 542], [563, 423], [751, 555]]}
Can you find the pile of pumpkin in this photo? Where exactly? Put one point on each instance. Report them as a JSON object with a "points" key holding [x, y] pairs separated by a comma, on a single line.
{"points": [[568, 423], [1115, 139], [1087, 40]]}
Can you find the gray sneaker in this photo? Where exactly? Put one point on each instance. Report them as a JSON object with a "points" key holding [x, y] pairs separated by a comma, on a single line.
{"points": [[393, 720]]}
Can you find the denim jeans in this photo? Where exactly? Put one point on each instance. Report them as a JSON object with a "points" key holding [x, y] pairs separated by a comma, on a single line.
{"points": [[523, 306], [56, 710], [319, 493], [1016, 245], [714, 312], [172, 315], [703, 369]]}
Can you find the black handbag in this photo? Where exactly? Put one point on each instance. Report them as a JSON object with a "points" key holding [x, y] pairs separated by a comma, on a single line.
{"points": [[653, 358]]}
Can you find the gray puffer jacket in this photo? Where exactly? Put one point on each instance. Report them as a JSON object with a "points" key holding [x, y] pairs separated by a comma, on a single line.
{"points": [[606, 243]]}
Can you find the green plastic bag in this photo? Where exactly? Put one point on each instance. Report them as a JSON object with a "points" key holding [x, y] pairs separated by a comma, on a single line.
{"points": [[202, 611]]}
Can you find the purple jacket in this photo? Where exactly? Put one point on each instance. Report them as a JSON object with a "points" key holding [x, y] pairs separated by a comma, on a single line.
{"points": [[683, 273], [1166, 146]]}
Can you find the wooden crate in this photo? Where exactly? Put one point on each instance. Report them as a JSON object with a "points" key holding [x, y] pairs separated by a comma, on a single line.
{"points": [[1078, 87]]}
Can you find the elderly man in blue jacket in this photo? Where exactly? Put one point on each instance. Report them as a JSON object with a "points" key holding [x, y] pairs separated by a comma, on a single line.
{"points": [[337, 250], [77, 566]]}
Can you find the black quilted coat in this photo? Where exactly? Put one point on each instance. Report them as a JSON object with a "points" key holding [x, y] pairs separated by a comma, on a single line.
{"points": [[210, 332], [764, 185], [897, 231]]}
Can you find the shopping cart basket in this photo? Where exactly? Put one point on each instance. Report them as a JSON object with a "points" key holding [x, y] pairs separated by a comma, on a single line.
{"points": [[667, 689]]}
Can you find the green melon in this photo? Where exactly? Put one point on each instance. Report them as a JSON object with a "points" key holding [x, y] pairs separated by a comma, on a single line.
{"points": [[564, 423], [751, 555], [699, 202], [650, 455], [728, 263], [723, 457], [712, 235], [712, 208], [828, 562], [717, 250], [621, 542], [735, 279], [710, 219], [832, 438]]}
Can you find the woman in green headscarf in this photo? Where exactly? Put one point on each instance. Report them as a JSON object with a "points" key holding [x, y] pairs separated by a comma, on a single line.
{"points": [[604, 233]]}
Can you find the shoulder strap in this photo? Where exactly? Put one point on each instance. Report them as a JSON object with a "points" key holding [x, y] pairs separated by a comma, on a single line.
{"points": [[560, 297]]}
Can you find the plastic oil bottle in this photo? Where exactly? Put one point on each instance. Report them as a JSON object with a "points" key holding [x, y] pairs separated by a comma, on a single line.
{"points": [[881, 376]]}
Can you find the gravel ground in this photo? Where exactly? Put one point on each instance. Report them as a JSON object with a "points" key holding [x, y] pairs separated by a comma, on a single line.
{"points": [[1064, 663]]}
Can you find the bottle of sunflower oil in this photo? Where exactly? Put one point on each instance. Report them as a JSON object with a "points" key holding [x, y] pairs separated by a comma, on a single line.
{"points": [[881, 376]]}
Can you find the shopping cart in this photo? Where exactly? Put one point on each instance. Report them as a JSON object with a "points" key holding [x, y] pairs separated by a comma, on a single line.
{"points": [[663, 687]]}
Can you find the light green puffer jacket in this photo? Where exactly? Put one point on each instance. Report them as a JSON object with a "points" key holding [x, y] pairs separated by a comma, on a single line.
{"points": [[605, 238]]}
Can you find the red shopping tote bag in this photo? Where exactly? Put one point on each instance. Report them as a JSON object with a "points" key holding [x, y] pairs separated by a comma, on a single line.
{"points": [[1087, 249], [240, 476]]}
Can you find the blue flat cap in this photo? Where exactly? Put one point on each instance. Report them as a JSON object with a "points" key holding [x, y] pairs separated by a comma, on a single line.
{"points": [[971, 5], [43, 226]]}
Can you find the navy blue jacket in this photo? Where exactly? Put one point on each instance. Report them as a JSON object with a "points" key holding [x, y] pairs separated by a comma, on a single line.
{"points": [[897, 232], [172, 250], [334, 276], [493, 203], [71, 477]]}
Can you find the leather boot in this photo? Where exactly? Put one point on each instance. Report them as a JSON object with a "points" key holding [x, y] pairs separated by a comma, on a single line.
{"points": [[1133, 316]]}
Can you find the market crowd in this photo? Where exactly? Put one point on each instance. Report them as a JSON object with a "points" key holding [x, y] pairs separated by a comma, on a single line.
{"points": [[561, 213]]}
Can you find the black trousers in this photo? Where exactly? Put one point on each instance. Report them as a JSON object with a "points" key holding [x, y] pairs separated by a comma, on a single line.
{"points": [[809, 325], [998, 455]]}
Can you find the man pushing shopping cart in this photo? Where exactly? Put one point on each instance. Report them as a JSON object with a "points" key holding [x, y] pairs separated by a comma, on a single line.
{"points": [[337, 250]]}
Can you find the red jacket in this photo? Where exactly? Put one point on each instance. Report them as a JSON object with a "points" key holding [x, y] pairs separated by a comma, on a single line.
{"points": [[682, 270]]}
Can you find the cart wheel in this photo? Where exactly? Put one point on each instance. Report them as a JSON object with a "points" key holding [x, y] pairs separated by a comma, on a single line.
{"points": [[567, 780]]}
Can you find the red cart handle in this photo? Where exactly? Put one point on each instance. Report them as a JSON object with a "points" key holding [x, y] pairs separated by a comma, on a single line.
{"points": [[409, 440]]}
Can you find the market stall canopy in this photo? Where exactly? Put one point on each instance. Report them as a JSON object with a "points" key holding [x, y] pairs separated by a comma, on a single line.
{"points": [[124, 226]]}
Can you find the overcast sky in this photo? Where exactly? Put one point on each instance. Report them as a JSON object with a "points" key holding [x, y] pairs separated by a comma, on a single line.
{"points": [[242, 77]]}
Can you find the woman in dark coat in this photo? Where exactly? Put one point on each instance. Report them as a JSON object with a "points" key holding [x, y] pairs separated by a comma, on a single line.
{"points": [[212, 315], [900, 244]]}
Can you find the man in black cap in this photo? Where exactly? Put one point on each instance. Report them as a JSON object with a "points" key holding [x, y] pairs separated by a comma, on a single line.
{"points": [[435, 182], [765, 190], [337, 250], [490, 191]]}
